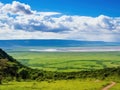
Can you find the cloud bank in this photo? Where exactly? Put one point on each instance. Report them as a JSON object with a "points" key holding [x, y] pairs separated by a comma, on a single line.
{"points": [[19, 21]]}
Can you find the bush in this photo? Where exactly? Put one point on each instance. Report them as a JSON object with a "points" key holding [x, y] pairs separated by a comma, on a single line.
{"points": [[23, 73]]}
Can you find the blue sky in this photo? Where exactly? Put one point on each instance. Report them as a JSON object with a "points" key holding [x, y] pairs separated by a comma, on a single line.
{"points": [[76, 7], [87, 20]]}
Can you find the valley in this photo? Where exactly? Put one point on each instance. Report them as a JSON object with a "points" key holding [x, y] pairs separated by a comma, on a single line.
{"points": [[67, 61]]}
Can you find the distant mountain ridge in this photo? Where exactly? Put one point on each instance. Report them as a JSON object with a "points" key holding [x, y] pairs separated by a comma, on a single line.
{"points": [[54, 43]]}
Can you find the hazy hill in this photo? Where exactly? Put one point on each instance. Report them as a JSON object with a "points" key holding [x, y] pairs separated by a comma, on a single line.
{"points": [[54, 43]]}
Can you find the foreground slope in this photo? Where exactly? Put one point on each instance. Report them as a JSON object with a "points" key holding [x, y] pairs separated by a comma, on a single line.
{"points": [[10, 68]]}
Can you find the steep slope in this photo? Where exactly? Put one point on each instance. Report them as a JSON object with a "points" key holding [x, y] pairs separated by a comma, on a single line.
{"points": [[4, 55], [8, 58], [10, 68]]}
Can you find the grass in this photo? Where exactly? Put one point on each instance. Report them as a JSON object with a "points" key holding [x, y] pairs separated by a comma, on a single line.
{"points": [[68, 61], [116, 87], [56, 85], [65, 62]]}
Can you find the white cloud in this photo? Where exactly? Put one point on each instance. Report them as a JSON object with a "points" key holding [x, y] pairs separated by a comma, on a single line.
{"points": [[17, 8], [48, 13], [18, 21]]}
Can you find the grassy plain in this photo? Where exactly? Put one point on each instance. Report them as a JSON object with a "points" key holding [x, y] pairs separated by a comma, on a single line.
{"points": [[65, 62], [68, 61], [56, 85], [116, 87]]}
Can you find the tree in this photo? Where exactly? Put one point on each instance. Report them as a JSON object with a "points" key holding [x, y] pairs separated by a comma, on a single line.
{"points": [[1, 78], [3, 65], [23, 73]]}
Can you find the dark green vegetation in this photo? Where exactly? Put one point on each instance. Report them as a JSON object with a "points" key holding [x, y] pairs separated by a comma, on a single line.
{"points": [[68, 61], [10, 68]]}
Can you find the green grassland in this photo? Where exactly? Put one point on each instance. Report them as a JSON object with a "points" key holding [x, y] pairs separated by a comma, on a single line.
{"points": [[67, 64], [116, 87], [56, 85], [68, 61]]}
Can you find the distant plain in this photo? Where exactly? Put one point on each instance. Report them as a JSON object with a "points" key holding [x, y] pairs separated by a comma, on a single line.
{"points": [[67, 61]]}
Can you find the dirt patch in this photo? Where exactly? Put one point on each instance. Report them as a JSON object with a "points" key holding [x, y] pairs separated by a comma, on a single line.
{"points": [[109, 86]]}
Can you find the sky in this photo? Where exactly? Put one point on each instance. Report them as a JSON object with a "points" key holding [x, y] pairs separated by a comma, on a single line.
{"points": [[75, 7], [87, 20]]}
